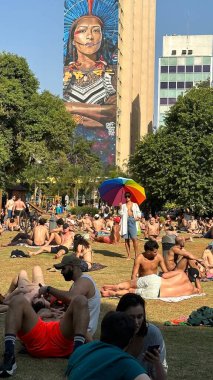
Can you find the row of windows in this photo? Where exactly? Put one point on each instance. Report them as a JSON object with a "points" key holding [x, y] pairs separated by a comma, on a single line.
{"points": [[176, 84], [167, 101], [187, 69], [189, 52]]}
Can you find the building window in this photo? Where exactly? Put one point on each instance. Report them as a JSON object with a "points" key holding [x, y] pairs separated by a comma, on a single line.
{"points": [[183, 52], [181, 69], [172, 84], [206, 68], [172, 69], [189, 69], [172, 100], [164, 69], [189, 84], [163, 101], [197, 68], [189, 52], [173, 52], [163, 85], [180, 84]]}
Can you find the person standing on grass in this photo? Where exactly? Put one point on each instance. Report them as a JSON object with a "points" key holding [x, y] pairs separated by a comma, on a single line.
{"points": [[130, 213]]}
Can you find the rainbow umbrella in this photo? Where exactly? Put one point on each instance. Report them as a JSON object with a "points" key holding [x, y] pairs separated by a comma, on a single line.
{"points": [[113, 190]]}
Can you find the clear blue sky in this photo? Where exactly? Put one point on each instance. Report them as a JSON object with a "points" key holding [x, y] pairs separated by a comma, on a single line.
{"points": [[34, 30]]}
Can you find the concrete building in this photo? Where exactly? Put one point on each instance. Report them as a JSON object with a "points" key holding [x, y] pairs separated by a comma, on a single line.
{"points": [[186, 61], [135, 86]]}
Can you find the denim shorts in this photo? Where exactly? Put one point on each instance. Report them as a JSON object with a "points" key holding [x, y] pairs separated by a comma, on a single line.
{"points": [[131, 228]]}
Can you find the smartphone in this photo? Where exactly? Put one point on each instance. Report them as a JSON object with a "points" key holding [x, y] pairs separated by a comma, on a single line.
{"points": [[152, 348]]}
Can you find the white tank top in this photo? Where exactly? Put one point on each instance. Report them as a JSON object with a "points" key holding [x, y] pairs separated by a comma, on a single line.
{"points": [[94, 306]]}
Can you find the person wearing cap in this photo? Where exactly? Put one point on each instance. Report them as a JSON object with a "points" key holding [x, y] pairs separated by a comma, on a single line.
{"points": [[53, 338], [83, 284], [59, 250], [130, 213]]}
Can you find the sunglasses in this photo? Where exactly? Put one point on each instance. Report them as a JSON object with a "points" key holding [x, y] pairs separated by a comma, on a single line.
{"points": [[127, 196]]}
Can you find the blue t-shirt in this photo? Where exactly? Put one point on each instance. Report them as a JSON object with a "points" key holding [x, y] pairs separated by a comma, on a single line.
{"points": [[98, 360]]}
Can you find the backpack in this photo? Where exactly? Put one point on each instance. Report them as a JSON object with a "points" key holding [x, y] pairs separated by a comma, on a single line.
{"points": [[17, 253], [202, 316]]}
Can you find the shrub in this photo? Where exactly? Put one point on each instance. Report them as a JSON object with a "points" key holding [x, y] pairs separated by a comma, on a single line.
{"points": [[81, 210]]}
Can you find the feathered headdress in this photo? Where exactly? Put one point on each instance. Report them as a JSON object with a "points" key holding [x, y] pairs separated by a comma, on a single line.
{"points": [[106, 10]]}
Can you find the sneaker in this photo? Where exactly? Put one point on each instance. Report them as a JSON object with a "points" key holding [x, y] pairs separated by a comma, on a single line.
{"points": [[8, 367]]}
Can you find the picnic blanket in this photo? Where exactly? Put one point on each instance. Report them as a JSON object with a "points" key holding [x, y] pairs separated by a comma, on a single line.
{"points": [[95, 266], [178, 299]]}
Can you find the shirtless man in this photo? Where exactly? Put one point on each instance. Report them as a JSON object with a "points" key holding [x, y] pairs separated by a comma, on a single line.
{"points": [[60, 250], [193, 225], [97, 223], [152, 230], [18, 208], [130, 213], [87, 223], [171, 284], [179, 258], [148, 262], [40, 234]]}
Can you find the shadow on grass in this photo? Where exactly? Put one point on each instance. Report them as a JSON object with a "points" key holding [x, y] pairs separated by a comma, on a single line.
{"points": [[108, 253]]}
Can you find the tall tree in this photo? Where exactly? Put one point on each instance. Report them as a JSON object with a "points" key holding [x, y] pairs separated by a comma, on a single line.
{"points": [[175, 163], [35, 129]]}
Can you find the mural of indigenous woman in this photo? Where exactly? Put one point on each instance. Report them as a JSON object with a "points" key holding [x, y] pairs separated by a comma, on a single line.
{"points": [[90, 66]]}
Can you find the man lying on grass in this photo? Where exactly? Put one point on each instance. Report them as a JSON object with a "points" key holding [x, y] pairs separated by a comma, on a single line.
{"points": [[52, 338], [147, 283]]}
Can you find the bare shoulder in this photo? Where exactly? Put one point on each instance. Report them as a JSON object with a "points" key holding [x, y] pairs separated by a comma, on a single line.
{"points": [[140, 258]]}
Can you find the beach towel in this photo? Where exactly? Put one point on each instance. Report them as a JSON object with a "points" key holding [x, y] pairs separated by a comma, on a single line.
{"points": [[170, 299], [95, 266]]}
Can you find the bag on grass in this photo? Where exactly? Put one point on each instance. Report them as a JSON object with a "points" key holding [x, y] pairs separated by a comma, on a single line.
{"points": [[202, 316], [17, 253]]}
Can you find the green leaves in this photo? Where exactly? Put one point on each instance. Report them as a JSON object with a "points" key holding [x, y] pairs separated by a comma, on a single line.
{"points": [[175, 163]]}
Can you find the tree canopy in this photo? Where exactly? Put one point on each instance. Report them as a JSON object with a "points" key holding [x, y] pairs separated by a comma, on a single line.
{"points": [[37, 140], [175, 163]]}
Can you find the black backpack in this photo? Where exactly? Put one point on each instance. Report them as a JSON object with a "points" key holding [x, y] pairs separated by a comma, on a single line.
{"points": [[17, 253], [202, 316]]}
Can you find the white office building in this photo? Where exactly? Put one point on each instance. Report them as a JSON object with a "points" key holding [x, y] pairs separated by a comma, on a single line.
{"points": [[186, 61]]}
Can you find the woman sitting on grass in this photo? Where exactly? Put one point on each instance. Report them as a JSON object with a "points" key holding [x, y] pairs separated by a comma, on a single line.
{"points": [[147, 345], [83, 251]]}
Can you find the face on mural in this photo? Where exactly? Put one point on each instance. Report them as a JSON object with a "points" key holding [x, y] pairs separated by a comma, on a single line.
{"points": [[88, 35]]}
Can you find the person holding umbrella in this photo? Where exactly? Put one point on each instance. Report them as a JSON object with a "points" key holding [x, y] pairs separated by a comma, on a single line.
{"points": [[129, 213]]}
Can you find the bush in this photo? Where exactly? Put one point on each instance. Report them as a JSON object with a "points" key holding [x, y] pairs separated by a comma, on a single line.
{"points": [[81, 210]]}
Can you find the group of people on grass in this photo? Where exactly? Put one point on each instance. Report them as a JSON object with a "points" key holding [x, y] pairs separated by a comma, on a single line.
{"points": [[54, 323]]}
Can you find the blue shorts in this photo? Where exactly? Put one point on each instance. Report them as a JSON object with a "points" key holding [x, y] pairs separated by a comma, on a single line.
{"points": [[131, 228], [9, 213]]}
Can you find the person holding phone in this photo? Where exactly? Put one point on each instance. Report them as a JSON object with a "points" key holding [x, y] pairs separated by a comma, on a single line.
{"points": [[148, 345]]}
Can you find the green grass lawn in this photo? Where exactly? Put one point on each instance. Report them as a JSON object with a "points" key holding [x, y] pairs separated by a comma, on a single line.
{"points": [[189, 349]]}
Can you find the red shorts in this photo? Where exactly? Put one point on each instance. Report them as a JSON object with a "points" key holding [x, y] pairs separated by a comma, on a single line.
{"points": [[46, 340]]}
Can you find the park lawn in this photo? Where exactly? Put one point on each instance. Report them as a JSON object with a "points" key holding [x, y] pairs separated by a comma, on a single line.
{"points": [[189, 349]]}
